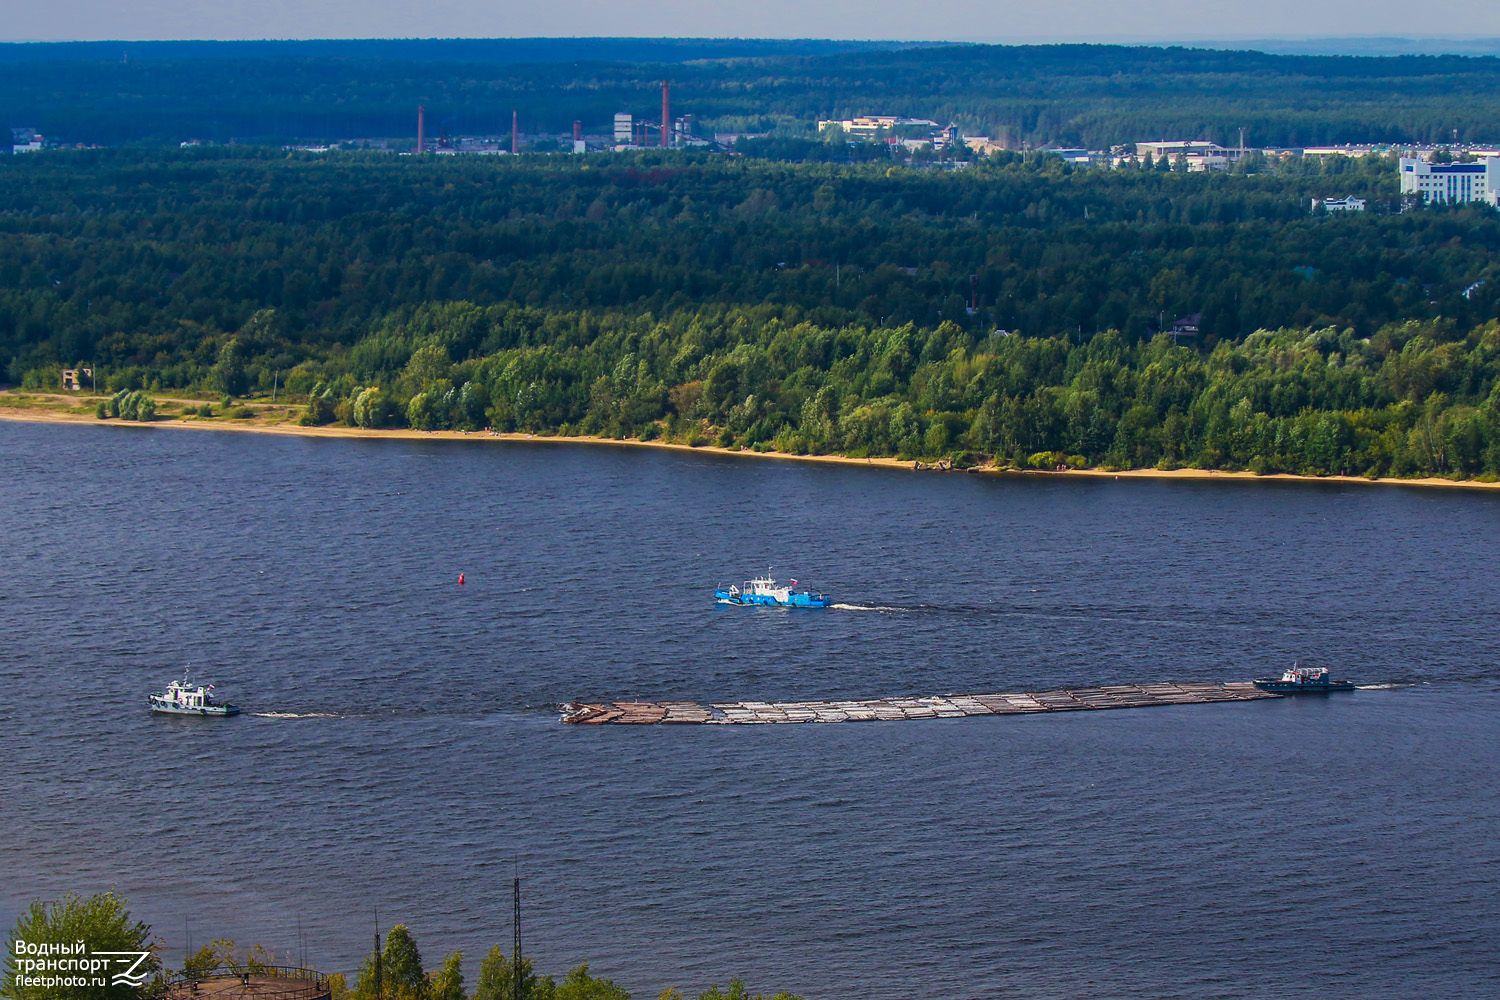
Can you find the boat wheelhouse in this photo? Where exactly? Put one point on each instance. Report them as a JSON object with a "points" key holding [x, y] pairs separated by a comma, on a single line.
{"points": [[184, 698], [764, 590]]}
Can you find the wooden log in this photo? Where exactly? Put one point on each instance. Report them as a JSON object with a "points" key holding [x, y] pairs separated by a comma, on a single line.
{"points": [[931, 707]]}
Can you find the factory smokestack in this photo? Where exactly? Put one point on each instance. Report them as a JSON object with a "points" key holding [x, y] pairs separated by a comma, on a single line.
{"points": [[666, 114], [578, 131], [421, 125], [515, 145]]}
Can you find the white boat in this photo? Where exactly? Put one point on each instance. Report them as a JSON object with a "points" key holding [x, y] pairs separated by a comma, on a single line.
{"points": [[184, 698]]}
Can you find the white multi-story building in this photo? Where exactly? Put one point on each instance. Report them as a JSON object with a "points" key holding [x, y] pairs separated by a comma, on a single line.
{"points": [[1452, 182], [624, 130], [1348, 204]]}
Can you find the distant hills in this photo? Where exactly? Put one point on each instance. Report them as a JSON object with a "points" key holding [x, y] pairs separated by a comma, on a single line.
{"points": [[458, 50], [1073, 95], [1330, 45], [1362, 46]]}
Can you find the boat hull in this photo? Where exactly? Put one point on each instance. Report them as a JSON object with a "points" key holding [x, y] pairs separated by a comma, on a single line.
{"points": [[767, 600], [210, 710], [1278, 686]]}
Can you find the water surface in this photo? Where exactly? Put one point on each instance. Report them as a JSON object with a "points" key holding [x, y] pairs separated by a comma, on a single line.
{"points": [[402, 747]]}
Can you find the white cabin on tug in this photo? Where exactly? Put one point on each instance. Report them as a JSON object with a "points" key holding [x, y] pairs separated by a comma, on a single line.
{"points": [[184, 698]]}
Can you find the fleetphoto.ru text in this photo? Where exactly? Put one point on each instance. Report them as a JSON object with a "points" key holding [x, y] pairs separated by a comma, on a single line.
{"points": [[49, 965]]}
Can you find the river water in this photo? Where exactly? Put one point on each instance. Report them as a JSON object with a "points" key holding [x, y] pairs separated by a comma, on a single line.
{"points": [[400, 748]]}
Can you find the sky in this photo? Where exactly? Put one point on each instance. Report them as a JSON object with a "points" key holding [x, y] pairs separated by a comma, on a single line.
{"points": [[929, 20]]}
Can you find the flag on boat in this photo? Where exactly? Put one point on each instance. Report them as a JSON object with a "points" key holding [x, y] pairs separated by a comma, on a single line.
{"points": [[794, 583]]}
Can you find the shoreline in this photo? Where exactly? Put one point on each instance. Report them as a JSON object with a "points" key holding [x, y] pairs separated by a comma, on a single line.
{"points": [[49, 416]]}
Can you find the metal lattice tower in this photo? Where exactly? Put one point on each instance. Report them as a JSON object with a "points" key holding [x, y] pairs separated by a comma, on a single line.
{"points": [[515, 945], [378, 993]]}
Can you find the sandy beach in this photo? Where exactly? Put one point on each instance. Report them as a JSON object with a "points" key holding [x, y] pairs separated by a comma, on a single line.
{"points": [[47, 414]]}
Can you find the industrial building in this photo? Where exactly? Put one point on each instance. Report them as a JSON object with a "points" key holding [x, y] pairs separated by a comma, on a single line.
{"points": [[26, 140], [1452, 182], [868, 126], [1199, 155], [914, 133], [1403, 149], [1077, 157]]}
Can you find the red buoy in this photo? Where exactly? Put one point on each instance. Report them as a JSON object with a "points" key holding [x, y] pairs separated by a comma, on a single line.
{"points": [[460, 579]]}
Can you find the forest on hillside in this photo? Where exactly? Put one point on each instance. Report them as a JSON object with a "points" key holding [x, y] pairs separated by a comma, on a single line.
{"points": [[1014, 309], [1070, 95]]}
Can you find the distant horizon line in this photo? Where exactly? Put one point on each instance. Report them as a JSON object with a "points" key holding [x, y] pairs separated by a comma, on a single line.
{"points": [[1042, 39]]}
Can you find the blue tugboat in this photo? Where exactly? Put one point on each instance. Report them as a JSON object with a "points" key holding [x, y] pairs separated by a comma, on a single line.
{"points": [[763, 590], [1303, 680]]}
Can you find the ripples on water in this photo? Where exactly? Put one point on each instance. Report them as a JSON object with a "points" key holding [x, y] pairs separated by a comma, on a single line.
{"points": [[400, 746]]}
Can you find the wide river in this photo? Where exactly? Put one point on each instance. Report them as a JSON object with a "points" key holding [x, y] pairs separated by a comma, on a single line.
{"points": [[401, 750]]}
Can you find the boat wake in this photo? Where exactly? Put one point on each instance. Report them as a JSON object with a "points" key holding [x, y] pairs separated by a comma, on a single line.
{"points": [[1378, 687], [864, 607], [293, 715]]}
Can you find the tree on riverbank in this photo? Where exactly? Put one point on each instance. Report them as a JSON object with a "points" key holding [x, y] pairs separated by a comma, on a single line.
{"points": [[127, 405], [1416, 399]]}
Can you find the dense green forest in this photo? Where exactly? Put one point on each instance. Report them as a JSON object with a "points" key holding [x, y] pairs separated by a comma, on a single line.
{"points": [[806, 308], [1090, 95]]}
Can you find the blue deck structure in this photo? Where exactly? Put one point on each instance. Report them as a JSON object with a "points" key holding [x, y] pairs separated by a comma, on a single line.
{"points": [[763, 590]]}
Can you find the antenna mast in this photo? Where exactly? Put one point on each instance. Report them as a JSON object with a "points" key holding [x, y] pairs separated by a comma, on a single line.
{"points": [[515, 945], [378, 994]]}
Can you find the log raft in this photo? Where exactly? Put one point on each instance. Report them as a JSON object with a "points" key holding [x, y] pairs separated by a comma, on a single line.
{"points": [[651, 713]]}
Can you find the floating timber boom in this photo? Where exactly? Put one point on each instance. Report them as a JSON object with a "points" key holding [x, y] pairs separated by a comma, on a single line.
{"points": [[652, 713]]}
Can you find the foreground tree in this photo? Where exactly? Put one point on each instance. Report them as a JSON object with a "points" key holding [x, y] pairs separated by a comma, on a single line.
{"points": [[497, 979], [579, 985], [404, 978], [218, 953], [737, 991], [223, 955], [101, 922], [447, 982]]}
